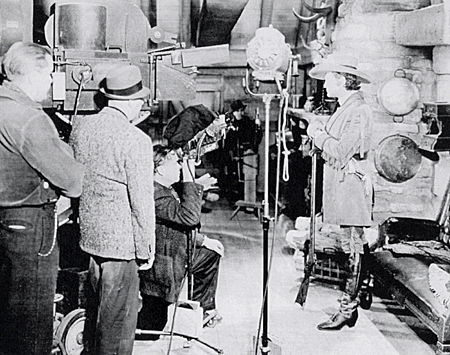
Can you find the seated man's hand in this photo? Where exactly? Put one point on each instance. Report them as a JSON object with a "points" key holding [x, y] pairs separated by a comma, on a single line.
{"points": [[214, 245], [207, 181]]}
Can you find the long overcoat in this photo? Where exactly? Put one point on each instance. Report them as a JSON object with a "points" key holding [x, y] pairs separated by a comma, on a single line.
{"points": [[175, 220], [345, 142]]}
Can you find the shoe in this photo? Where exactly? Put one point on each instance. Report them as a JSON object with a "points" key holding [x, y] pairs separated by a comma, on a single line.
{"points": [[338, 321], [365, 298], [211, 318], [211, 197]]}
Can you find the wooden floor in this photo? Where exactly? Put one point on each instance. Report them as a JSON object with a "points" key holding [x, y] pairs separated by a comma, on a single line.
{"points": [[385, 329]]}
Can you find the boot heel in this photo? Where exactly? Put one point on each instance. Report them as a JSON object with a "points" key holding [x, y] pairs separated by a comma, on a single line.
{"points": [[352, 321], [338, 321]]}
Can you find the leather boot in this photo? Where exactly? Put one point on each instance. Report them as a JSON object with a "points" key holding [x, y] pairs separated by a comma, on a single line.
{"points": [[339, 320], [348, 313], [365, 289]]}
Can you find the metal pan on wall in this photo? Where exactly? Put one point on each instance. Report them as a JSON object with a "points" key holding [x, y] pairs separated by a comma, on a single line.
{"points": [[397, 158], [398, 96]]}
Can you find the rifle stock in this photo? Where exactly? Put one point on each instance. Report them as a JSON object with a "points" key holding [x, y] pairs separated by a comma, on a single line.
{"points": [[310, 244]]}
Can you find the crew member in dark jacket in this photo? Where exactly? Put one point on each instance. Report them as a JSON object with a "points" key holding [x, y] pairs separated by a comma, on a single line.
{"points": [[176, 217], [243, 137], [35, 168]]}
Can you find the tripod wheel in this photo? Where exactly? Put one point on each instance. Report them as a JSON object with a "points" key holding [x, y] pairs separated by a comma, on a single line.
{"points": [[70, 332]]}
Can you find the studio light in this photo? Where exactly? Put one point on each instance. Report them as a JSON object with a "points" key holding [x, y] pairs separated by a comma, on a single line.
{"points": [[268, 54]]}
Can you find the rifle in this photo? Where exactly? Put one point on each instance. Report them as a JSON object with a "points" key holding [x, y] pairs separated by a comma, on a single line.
{"points": [[309, 246]]}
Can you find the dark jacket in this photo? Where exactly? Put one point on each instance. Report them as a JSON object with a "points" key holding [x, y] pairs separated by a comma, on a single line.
{"points": [[175, 220], [35, 164], [242, 135]]}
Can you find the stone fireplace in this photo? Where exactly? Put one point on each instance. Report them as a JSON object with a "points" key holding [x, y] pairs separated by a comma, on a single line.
{"points": [[387, 36]]}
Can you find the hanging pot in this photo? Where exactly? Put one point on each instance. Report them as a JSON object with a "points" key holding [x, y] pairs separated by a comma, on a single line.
{"points": [[397, 158], [399, 96]]}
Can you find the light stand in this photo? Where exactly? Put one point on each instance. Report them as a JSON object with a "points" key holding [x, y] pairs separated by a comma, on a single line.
{"points": [[267, 99], [270, 58]]}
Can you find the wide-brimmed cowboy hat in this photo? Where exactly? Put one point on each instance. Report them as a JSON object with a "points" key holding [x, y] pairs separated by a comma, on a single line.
{"points": [[339, 63], [125, 83]]}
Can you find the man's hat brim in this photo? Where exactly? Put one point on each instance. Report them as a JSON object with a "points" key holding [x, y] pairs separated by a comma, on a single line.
{"points": [[321, 70], [141, 94], [237, 105]]}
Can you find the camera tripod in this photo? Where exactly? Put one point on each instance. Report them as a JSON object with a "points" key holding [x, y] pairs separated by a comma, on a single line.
{"points": [[208, 321]]}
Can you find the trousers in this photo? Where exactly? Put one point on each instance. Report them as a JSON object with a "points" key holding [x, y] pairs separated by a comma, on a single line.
{"points": [[112, 307], [205, 272], [29, 259], [357, 247]]}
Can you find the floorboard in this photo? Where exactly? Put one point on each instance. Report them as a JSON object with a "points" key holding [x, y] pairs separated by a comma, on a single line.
{"points": [[385, 329]]}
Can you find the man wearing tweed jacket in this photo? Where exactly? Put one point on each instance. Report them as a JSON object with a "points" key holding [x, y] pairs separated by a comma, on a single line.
{"points": [[116, 210]]}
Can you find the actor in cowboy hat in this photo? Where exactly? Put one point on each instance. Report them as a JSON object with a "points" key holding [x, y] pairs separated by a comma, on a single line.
{"points": [[116, 212], [347, 190]]}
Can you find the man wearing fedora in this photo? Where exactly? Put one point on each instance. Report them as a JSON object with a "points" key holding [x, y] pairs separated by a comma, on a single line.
{"points": [[116, 211], [242, 139], [344, 140]]}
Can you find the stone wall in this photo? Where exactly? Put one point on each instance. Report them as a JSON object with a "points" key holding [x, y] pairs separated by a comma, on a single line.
{"points": [[365, 29]]}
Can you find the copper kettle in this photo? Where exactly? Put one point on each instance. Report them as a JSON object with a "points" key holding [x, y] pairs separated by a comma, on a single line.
{"points": [[398, 96]]}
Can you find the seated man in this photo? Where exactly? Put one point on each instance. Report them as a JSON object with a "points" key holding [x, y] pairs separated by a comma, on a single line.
{"points": [[176, 218]]}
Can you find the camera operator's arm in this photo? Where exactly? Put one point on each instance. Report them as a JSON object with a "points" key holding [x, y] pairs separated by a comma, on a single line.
{"points": [[207, 181], [188, 171]]}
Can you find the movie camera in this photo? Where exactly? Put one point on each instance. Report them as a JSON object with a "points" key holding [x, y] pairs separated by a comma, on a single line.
{"points": [[89, 38]]}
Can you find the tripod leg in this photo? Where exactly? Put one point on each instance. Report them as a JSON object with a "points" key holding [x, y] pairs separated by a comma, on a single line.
{"points": [[189, 256], [156, 332], [217, 350], [235, 212]]}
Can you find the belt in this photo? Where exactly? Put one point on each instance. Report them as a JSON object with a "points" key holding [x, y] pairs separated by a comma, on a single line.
{"points": [[46, 204], [359, 158]]}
